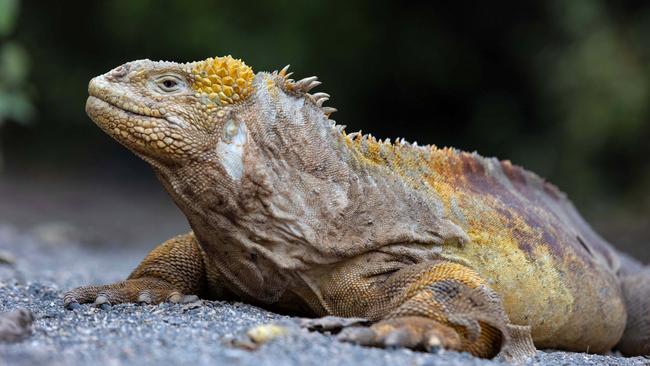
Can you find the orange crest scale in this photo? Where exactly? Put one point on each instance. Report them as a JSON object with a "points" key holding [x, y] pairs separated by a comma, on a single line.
{"points": [[224, 80]]}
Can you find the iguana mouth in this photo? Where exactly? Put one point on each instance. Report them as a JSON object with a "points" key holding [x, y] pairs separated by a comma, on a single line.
{"points": [[104, 104], [173, 121], [137, 131], [101, 112], [116, 103]]}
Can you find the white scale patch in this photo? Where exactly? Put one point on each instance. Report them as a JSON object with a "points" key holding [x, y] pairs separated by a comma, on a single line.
{"points": [[230, 149]]}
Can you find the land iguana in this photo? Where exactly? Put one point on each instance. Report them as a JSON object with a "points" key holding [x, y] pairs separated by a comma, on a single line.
{"points": [[435, 247]]}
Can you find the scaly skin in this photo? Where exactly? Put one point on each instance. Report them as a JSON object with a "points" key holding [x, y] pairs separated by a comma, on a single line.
{"points": [[435, 247]]}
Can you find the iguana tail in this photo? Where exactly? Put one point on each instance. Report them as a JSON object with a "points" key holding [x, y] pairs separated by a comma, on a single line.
{"points": [[635, 283]]}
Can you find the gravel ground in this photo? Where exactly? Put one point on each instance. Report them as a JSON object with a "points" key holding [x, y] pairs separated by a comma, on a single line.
{"points": [[48, 261]]}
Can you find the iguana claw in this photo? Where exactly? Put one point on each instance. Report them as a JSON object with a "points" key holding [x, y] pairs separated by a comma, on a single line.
{"points": [[73, 305], [139, 290], [332, 324]]}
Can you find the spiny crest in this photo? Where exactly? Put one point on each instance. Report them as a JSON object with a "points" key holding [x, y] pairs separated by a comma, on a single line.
{"points": [[303, 86], [385, 152], [222, 80], [368, 139]]}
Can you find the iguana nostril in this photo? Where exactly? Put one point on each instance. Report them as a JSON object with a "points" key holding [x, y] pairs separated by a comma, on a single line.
{"points": [[118, 72]]}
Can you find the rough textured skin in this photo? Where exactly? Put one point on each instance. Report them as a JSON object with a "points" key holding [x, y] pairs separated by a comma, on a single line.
{"points": [[436, 247]]}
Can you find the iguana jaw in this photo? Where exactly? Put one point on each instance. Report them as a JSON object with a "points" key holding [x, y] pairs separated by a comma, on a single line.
{"points": [[115, 122]]}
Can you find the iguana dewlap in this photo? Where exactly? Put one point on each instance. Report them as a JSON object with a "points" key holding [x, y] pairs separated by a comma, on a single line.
{"points": [[436, 247]]}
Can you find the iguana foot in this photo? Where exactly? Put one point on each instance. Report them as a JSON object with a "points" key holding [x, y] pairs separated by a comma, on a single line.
{"points": [[168, 273], [413, 332], [139, 290]]}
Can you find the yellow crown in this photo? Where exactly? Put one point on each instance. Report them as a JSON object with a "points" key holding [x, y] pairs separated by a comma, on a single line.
{"points": [[224, 80]]}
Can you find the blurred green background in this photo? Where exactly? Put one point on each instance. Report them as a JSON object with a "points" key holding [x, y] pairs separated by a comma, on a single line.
{"points": [[560, 87]]}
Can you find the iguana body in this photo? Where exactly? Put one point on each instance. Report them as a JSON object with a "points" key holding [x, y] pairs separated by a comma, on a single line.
{"points": [[437, 247]]}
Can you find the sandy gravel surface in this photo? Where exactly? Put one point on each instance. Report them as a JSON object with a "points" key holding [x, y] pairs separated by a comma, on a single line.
{"points": [[47, 261]]}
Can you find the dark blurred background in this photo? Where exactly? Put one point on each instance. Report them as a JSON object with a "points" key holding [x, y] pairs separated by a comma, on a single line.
{"points": [[560, 87]]}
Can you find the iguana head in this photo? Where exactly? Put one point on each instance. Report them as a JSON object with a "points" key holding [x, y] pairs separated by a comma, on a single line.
{"points": [[165, 111], [170, 113]]}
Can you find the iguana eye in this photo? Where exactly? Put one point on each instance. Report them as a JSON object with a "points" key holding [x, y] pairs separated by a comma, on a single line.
{"points": [[168, 83]]}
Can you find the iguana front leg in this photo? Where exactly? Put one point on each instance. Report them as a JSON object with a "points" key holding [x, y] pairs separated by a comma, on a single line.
{"points": [[171, 272], [433, 305]]}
